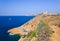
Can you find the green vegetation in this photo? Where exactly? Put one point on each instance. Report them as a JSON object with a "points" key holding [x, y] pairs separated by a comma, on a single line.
{"points": [[32, 34], [42, 26], [43, 31]]}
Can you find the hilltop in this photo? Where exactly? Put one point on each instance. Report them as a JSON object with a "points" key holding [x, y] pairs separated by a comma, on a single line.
{"points": [[43, 27]]}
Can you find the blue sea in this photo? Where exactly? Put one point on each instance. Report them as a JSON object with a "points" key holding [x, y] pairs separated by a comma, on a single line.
{"points": [[9, 22]]}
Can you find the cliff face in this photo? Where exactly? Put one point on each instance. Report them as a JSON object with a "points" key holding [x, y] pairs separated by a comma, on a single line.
{"points": [[27, 27], [43, 27]]}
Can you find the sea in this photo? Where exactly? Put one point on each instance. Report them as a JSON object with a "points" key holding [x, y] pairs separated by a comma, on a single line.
{"points": [[9, 22]]}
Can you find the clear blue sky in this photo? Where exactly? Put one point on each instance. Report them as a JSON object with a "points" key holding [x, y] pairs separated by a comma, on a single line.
{"points": [[28, 7]]}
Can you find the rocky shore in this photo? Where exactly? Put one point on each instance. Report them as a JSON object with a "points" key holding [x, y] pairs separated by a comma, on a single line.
{"points": [[43, 27]]}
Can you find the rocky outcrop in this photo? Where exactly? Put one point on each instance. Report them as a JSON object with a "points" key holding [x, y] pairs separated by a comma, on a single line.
{"points": [[43, 27]]}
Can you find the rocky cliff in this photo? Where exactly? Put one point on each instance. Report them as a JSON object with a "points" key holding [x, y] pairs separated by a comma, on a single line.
{"points": [[43, 27]]}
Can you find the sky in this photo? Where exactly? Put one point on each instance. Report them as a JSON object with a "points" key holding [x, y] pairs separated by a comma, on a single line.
{"points": [[28, 7]]}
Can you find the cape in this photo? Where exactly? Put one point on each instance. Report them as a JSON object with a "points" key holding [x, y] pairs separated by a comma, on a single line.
{"points": [[43, 27]]}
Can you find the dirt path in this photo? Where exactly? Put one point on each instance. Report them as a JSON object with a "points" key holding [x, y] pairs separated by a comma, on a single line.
{"points": [[56, 35]]}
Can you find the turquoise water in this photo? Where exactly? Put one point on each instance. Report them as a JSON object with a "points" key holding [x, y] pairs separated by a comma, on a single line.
{"points": [[14, 37], [9, 22]]}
